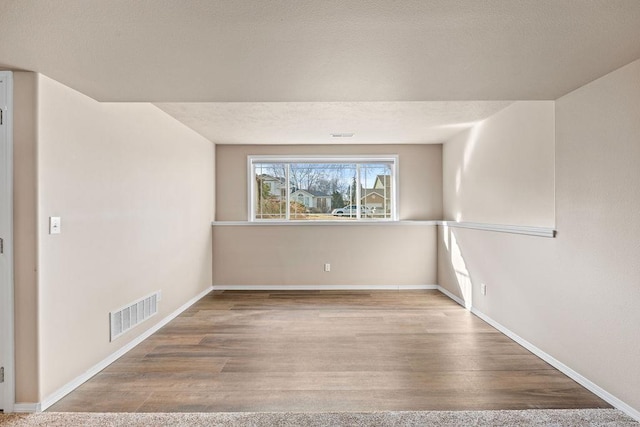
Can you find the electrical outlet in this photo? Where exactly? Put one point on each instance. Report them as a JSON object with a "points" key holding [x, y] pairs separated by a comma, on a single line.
{"points": [[327, 267], [483, 288]]}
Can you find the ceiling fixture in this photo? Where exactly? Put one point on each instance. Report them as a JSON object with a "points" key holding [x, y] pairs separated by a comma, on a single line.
{"points": [[342, 135]]}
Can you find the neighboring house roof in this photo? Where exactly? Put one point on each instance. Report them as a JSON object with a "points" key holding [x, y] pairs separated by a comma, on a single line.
{"points": [[382, 181], [317, 193], [267, 177], [366, 192], [313, 193]]}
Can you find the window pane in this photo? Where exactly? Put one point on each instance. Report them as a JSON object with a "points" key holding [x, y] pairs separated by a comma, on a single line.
{"points": [[270, 196], [319, 188], [376, 190]]}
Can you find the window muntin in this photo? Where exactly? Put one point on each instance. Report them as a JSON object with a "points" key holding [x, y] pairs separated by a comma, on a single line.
{"points": [[325, 189]]}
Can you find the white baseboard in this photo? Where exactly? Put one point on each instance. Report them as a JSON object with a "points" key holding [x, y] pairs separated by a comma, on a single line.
{"points": [[72, 385], [454, 297], [27, 407], [594, 388], [321, 287], [589, 385]]}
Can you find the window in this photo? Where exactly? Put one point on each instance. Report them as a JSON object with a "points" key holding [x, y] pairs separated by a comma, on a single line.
{"points": [[322, 188]]}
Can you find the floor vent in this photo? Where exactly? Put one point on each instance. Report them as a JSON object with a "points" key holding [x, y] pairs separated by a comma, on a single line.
{"points": [[126, 318]]}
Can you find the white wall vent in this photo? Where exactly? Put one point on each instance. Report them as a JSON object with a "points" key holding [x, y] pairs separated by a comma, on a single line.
{"points": [[127, 317]]}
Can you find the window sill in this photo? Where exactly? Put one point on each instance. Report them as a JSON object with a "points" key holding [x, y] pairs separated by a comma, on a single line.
{"points": [[321, 223], [512, 229]]}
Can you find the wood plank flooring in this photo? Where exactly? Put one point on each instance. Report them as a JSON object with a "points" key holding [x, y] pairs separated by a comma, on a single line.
{"points": [[327, 351]]}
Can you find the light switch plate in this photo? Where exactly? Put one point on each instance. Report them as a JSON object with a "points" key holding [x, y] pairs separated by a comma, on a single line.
{"points": [[54, 225]]}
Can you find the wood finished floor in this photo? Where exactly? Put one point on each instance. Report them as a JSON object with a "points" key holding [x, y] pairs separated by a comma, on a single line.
{"points": [[327, 351]]}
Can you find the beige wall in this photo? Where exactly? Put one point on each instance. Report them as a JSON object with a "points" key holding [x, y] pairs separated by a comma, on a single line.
{"points": [[420, 175], [576, 296], [25, 238], [370, 255], [501, 171], [134, 189], [292, 255]]}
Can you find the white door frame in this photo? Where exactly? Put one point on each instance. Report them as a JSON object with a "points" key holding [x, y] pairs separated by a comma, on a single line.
{"points": [[6, 233]]}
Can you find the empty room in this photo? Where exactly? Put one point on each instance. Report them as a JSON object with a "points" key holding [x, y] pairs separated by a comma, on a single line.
{"points": [[319, 213]]}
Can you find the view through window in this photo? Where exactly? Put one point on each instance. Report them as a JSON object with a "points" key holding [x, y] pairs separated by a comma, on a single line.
{"points": [[330, 189]]}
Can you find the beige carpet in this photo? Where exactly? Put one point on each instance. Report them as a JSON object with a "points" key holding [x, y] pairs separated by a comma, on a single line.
{"points": [[542, 417]]}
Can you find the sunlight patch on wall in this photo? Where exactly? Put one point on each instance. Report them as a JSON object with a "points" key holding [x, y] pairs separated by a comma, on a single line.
{"points": [[470, 145], [462, 273]]}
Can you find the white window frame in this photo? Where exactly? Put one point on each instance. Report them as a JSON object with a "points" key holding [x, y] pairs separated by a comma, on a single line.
{"points": [[393, 159]]}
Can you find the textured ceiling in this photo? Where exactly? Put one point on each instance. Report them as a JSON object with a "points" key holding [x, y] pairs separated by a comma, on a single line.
{"points": [[313, 122], [383, 69]]}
